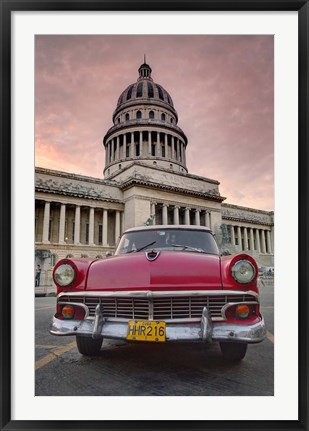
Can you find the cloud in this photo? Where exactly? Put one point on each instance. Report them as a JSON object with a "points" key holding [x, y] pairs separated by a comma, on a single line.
{"points": [[222, 88]]}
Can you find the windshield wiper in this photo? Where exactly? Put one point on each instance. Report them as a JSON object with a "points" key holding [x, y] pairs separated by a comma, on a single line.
{"points": [[142, 248], [188, 247]]}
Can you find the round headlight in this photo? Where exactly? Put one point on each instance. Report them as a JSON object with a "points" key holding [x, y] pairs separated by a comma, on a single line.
{"points": [[243, 271], [64, 274]]}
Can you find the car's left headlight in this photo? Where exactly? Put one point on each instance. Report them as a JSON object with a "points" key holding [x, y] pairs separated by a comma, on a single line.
{"points": [[64, 274], [243, 271]]}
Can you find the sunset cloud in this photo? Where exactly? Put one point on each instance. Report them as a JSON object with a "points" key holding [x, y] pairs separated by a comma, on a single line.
{"points": [[222, 88]]}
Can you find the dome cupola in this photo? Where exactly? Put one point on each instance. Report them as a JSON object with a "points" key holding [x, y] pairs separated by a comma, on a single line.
{"points": [[145, 128]]}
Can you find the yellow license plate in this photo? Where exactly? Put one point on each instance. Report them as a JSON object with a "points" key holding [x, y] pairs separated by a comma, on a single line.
{"points": [[145, 330]]}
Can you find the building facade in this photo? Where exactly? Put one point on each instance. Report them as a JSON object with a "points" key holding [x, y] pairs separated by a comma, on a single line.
{"points": [[146, 181]]}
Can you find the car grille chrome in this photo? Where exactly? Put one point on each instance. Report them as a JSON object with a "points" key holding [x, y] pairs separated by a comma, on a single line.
{"points": [[159, 308]]}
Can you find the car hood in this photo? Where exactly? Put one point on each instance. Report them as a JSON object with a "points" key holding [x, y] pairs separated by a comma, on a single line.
{"points": [[169, 271]]}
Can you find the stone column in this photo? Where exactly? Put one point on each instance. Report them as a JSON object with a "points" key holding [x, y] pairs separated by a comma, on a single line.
{"points": [[232, 234], [158, 149], [239, 237], [176, 215], [112, 149], [184, 154], [46, 223], [117, 226], [91, 226], [141, 150], [117, 148], [106, 155], [197, 218], [257, 240], [164, 214], [269, 248], [153, 212], [251, 239], [178, 150], [121, 221], [77, 225], [187, 216], [263, 242], [132, 145], [173, 147], [149, 143], [62, 224], [245, 239], [165, 145], [104, 228], [207, 219], [124, 149]]}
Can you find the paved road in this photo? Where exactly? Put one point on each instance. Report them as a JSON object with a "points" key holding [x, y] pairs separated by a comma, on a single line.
{"points": [[148, 369]]}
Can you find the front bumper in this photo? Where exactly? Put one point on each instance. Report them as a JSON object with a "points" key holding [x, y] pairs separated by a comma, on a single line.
{"points": [[205, 330]]}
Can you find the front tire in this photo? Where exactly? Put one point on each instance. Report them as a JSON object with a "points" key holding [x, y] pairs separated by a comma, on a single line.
{"points": [[88, 346], [234, 351]]}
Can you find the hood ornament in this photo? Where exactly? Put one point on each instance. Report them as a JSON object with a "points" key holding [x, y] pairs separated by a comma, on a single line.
{"points": [[152, 255]]}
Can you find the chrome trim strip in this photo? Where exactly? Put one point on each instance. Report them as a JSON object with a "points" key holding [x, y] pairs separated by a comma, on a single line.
{"points": [[220, 332], [160, 293], [206, 325]]}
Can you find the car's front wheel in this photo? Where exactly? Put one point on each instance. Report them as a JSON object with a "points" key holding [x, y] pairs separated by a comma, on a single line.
{"points": [[234, 351], [88, 346]]}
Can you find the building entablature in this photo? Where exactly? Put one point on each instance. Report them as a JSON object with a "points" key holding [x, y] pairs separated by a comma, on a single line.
{"points": [[131, 182], [136, 125], [249, 215], [57, 183]]}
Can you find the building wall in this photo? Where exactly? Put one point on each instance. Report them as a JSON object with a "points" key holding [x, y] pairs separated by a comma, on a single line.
{"points": [[107, 210]]}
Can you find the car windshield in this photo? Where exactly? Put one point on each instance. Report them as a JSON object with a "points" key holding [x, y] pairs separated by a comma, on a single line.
{"points": [[199, 241]]}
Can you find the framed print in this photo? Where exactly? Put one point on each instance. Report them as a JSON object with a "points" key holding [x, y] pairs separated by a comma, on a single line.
{"points": [[188, 120]]}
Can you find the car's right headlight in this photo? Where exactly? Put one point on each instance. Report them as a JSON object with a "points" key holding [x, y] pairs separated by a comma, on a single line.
{"points": [[243, 271], [64, 274]]}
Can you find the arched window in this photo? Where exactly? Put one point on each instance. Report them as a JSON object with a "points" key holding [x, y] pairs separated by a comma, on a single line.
{"points": [[138, 115], [163, 117], [151, 115], [127, 117], [139, 90], [172, 120]]}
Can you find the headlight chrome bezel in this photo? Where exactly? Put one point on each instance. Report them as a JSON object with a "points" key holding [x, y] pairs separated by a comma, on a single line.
{"points": [[69, 278], [243, 265]]}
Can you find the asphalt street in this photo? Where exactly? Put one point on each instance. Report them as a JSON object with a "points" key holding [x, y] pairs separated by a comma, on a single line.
{"points": [[143, 369]]}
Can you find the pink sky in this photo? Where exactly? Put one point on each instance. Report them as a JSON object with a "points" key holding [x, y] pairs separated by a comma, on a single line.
{"points": [[222, 88]]}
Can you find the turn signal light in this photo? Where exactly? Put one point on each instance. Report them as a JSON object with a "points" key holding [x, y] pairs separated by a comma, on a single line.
{"points": [[242, 311], [67, 312]]}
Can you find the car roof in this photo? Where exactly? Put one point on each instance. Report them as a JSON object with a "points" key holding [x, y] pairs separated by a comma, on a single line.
{"points": [[169, 226]]}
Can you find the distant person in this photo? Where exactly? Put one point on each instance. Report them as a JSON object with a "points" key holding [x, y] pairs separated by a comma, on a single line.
{"points": [[37, 275], [172, 239]]}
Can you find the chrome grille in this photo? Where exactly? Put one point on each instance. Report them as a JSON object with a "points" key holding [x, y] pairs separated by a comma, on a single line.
{"points": [[158, 308]]}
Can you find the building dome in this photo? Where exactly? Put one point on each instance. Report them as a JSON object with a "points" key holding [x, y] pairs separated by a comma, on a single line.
{"points": [[145, 128], [145, 90]]}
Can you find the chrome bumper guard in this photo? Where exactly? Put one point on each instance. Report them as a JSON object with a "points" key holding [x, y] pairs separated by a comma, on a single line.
{"points": [[206, 330]]}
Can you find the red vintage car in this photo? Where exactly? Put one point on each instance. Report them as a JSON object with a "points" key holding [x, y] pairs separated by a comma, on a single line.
{"points": [[164, 284]]}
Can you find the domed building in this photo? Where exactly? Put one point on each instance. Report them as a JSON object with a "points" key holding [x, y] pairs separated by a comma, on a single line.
{"points": [[145, 128], [146, 181]]}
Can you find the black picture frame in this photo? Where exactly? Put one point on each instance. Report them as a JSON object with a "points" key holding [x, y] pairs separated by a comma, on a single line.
{"points": [[9, 6]]}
